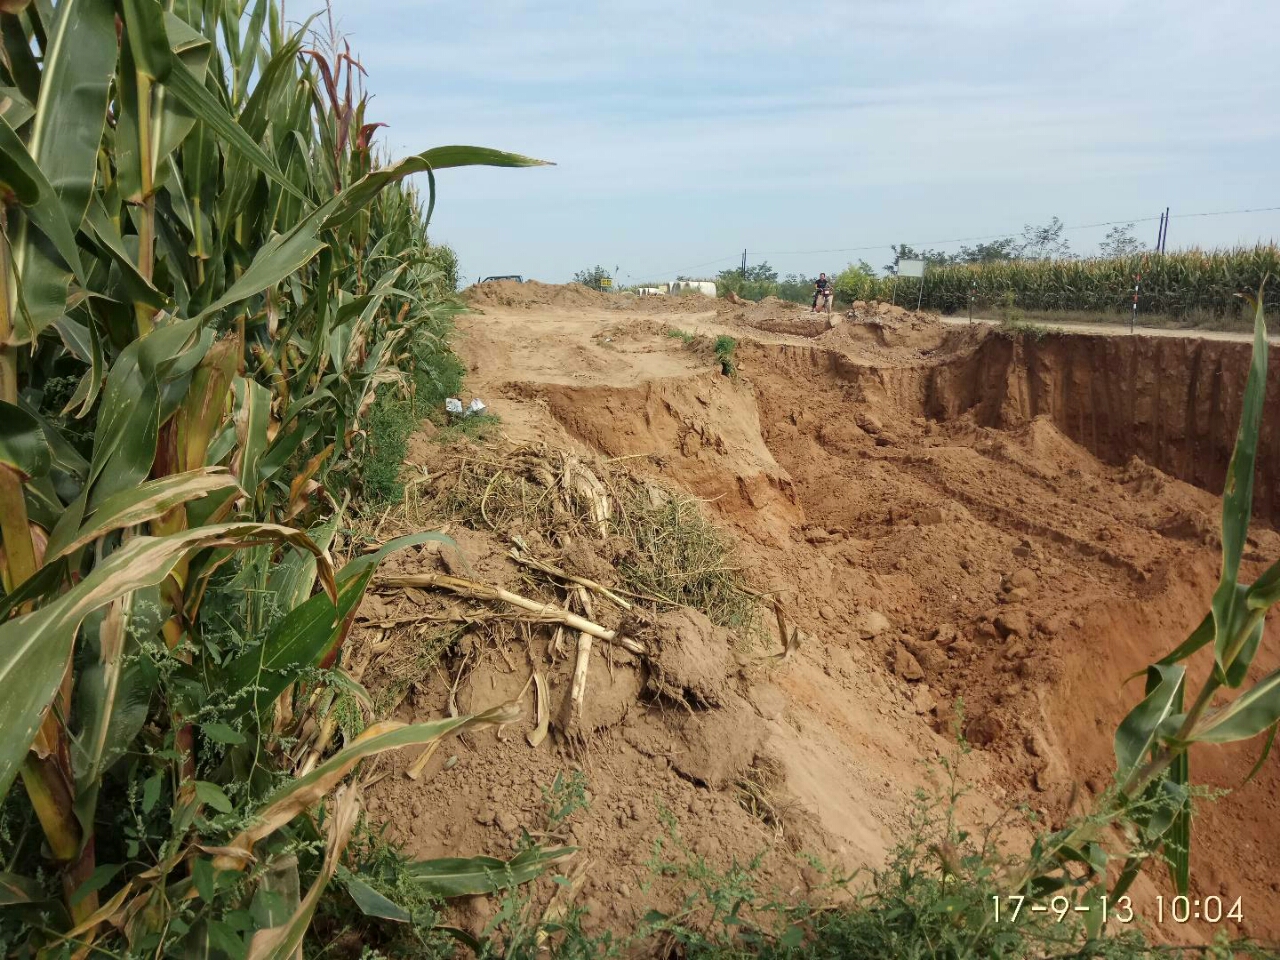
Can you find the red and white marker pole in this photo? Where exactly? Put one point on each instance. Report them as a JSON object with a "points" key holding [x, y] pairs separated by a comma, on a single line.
{"points": [[1133, 318]]}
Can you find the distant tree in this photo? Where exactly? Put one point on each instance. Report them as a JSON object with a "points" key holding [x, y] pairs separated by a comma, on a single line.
{"points": [[760, 280], [591, 278], [756, 273], [1044, 242], [855, 282], [904, 251], [795, 287], [992, 251], [1120, 242]]}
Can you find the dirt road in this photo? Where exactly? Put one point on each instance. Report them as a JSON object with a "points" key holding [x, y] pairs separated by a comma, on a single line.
{"points": [[1120, 329], [950, 517]]}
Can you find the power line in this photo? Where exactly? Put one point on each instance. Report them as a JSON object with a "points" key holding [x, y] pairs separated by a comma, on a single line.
{"points": [[683, 270]]}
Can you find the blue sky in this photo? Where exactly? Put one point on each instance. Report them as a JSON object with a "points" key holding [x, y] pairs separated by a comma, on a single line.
{"points": [[683, 133]]}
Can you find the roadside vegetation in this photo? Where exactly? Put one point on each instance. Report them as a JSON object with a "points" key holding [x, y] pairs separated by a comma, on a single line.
{"points": [[1037, 275], [1191, 284], [760, 280]]}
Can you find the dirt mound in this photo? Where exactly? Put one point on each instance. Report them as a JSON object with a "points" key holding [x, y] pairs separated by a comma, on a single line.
{"points": [[672, 733], [532, 293], [878, 310]]}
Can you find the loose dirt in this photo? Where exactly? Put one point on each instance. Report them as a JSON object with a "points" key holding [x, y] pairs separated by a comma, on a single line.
{"points": [[950, 517]]}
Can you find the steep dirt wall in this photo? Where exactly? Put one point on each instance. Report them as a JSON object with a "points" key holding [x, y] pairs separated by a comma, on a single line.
{"points": [[1173, 402]]}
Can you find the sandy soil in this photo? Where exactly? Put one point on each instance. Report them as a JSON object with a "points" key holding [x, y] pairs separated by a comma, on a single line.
{"points": [[944, 520]]}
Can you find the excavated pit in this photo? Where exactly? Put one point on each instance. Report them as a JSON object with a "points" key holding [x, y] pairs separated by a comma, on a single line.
{"points": [[947, 514], [1174, 403], [1035, 519]]}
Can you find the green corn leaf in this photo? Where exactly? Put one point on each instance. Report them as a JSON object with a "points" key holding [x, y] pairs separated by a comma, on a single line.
{"points": [[148, 501], [202, 104], [1266, 752], [1237, 502], [279, 257], [310, 633], [370, 901], [23, 445], [15, 108], [144, 23], [1265, 591], [253, 416], [66, 133], [356, 197], [1246, 716], [140, 289], [300, 795], [247, 59], [472, 876], [1138, 733], [1177, 844], [128, 426], [16, 890], [42, 584], [1200, 637], [113, 692], [19, 176], [34, 648], [292, 580]]}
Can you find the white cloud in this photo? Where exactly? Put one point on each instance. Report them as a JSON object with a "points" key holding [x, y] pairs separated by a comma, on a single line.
{"points": [[1079, 108]]}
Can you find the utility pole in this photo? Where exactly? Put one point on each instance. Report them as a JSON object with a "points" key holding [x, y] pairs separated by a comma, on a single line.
{"points": [[1162, 232], [744, 264]]}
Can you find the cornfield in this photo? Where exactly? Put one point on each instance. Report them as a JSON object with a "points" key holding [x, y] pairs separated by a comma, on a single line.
{"points": [[1175, 284], [208, 277]]}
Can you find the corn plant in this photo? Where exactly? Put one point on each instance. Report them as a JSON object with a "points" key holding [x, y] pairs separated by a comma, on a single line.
{"points": [[207, 278], [1174, 284]]}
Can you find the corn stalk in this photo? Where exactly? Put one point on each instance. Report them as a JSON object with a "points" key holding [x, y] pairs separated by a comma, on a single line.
{"points": [[205, 278]]}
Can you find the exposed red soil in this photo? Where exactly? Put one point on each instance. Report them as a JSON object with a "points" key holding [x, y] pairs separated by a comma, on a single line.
{"points": [[949, 515]]}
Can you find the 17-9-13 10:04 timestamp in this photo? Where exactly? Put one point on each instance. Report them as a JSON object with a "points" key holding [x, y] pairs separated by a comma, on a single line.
{"points": [[1210, 909]]}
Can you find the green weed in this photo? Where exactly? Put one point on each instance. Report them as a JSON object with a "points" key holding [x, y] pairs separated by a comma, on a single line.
{"points": [[725, 346]]}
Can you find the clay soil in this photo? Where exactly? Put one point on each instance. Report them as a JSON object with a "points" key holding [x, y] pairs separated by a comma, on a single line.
{"points": [[948, 515]]}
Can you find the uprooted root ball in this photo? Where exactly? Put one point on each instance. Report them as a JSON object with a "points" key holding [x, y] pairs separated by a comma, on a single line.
{"points": [[657, 543]]}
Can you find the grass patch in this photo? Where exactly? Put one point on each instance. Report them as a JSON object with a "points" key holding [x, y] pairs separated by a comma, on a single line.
{"points": [[1015, 325], [1191, 320], [722, 347], [435, 373], [478, 426], [725, 346]]}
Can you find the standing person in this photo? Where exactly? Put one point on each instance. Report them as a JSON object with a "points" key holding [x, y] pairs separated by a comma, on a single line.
{"points": [[822, 291]]}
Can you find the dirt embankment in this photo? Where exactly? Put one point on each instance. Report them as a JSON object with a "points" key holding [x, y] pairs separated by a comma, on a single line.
{"points": [[1173, 403], [949, 515]]}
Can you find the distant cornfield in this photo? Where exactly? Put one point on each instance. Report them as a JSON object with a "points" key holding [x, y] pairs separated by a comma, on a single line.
{"points": [[1174, 284]]}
